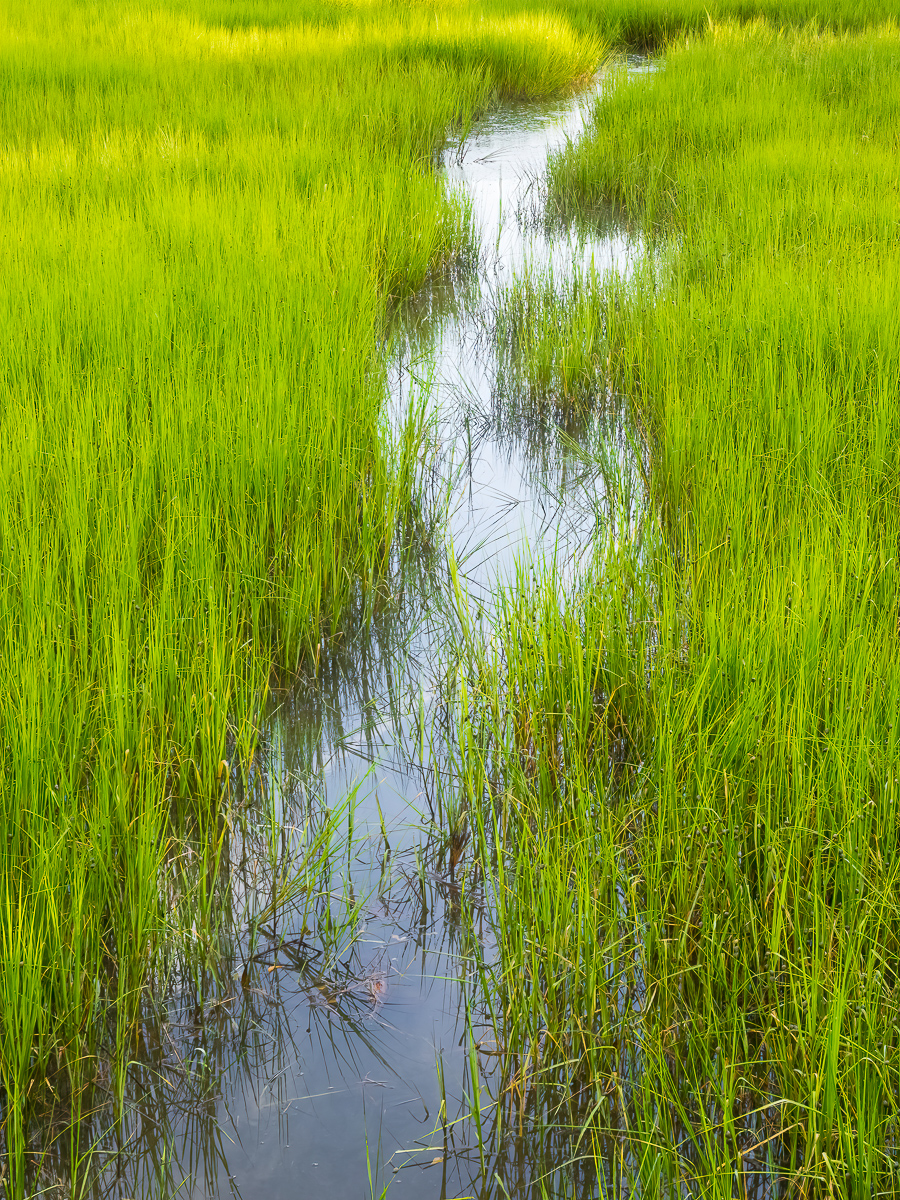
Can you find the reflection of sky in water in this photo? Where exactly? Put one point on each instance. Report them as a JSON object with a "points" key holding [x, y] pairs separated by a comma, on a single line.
{"points": [[503, 508], [379, 1079], [318, 1069]]}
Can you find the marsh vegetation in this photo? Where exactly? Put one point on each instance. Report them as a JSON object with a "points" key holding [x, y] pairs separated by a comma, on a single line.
{"points": [[449, 598]]}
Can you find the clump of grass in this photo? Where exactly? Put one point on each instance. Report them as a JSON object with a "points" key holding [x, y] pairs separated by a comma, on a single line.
{"points": [[550, 718], [552, 344]]}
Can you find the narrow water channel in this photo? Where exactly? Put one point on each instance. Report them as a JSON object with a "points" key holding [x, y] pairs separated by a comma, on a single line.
{"points": [[332, 1055]]}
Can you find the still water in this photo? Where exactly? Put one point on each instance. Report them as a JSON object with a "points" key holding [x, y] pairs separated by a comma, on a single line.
{"points": [[332, 1051]]}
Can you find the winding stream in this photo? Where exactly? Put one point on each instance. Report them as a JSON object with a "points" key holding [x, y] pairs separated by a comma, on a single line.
{"points": [[336, 1068]]}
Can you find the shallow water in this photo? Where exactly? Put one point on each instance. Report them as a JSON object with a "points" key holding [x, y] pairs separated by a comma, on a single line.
{"points": [[515, 497], [330, 1051]]}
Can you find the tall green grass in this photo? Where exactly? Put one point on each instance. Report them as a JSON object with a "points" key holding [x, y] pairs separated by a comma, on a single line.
{"points": [[203, 225], [207, 209], [684, 776]]}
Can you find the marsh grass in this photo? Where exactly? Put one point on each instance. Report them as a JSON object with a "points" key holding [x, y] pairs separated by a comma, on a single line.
{"points": [[681, 781], [552, 344], [682, 777], [195, 482]]}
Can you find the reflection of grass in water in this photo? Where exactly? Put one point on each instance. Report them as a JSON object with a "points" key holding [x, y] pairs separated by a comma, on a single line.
{"points": [[142, 1101], [287, 957], [366, 680], [682, 779], [310, 978]]}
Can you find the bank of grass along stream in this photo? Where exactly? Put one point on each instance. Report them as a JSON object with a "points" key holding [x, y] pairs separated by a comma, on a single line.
{"points": [[206, 210], [691, 764], [203, 224]]}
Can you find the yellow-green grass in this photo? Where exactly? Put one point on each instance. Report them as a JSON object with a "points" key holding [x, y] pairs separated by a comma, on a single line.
{"points": [[691, 764], [206, 209], [202, 227]]}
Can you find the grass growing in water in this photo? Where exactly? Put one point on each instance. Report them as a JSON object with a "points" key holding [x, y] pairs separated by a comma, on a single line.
{"points": [[206, 209], [691, 766], [195, 477], [552, 344]]}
